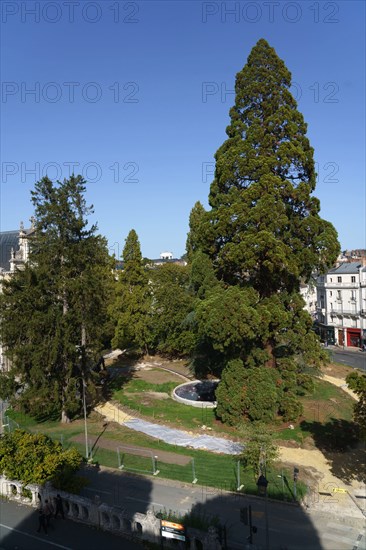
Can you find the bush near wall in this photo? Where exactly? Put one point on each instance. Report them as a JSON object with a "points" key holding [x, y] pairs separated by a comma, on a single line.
{"points": [[36, 458]]}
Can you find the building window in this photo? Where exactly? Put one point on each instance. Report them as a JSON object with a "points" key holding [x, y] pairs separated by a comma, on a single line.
{"points": [[353, 295], [339, 279], [353, 279], [339, 295], [331, 293]]}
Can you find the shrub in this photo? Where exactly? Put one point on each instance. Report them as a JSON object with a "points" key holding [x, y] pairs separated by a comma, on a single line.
{"points": [[290, 407], [36, 458], [261, 393]]}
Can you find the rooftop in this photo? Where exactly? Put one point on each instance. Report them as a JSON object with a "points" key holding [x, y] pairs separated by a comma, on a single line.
{"points": [[352, 267], [8, 240]]}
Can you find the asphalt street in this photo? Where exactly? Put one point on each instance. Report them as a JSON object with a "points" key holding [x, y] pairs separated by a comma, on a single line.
{"points": [[289, 526], [18, 530], [355, 359]]}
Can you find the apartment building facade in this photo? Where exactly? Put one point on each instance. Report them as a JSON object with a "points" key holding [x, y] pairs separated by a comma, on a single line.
{"points": [[341, 305]]}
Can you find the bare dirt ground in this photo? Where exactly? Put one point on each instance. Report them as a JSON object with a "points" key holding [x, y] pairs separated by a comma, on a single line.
{"points": [[338, 371], [337, 479], [164, 456]]}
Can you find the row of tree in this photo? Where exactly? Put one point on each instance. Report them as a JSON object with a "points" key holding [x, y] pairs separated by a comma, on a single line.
{"points": [[235, 309]]}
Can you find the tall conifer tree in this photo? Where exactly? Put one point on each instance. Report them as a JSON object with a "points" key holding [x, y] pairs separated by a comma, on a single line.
{"points": [[54, 312], [264, 231], [132, 307]]}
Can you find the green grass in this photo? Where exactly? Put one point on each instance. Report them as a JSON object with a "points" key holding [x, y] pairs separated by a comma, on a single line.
{"points": [[327, 405], [211, 470], [327, 401], [167, 410]]}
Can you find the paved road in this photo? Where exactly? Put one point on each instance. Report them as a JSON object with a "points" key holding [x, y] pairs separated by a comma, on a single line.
{"points": [[18, 530], [355, 359], [289, 526]]}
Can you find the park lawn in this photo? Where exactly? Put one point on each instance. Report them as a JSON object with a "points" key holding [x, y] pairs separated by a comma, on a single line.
{"points": [[327, 402], [136, 395], [326, 406], [211, 469]]}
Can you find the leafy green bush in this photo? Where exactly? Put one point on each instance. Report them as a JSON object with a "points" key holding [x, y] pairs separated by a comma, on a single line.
{"points": [[36, 458], [230, 394], [306, 383], [261, 393], [259, 449], [290, 407]]}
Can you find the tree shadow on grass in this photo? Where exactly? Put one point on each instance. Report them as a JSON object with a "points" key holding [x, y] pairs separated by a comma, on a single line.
{"points": [[119, 374], [338, 440]]}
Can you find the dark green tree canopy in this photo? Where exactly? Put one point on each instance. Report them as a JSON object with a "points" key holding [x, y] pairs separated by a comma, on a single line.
{"points": [[196, 218], [262, 236], [172, 307], [53, 313], [131, 310], [265, 227], [357, 383]]}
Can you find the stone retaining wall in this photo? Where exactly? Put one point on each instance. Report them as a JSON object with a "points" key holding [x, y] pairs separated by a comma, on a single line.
{"points": [[96, 514]]}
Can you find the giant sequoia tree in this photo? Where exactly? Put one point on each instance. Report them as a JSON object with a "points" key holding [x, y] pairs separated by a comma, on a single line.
{"points": [[54, 311], [263, 232]]}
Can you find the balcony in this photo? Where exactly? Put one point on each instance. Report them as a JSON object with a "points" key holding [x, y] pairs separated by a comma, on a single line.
{"points": [[343, 311], [342, 285]]}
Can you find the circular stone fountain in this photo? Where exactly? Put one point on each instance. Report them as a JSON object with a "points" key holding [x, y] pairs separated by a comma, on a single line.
{"points": [[197, 394]]}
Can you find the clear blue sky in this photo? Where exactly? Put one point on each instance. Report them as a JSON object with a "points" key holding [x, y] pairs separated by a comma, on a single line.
{"points": [[143, 89]]}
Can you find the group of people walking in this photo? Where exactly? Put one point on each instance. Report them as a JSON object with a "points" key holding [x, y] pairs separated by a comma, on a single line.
{"points": [[47, 511]]}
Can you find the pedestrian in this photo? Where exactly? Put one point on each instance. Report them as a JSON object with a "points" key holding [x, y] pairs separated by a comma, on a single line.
{"points": [[47, 512], [59, 507], [42, 522]]}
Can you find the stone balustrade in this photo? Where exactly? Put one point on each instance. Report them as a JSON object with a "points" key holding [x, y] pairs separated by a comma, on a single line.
{"points": [[97, 514]]}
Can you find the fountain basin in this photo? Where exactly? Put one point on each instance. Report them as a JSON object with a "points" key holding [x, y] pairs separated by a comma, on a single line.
{"points": [[198, 393]]}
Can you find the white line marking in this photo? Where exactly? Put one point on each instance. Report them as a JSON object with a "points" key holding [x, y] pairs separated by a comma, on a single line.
{"points": [[45, 541]]}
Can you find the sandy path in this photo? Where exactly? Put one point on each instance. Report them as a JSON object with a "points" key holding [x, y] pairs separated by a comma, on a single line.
{"points": [[341, 383], [112, 413]]}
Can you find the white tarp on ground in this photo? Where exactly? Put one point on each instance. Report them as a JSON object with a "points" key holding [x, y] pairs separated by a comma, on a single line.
{"points": [[184, 439]]}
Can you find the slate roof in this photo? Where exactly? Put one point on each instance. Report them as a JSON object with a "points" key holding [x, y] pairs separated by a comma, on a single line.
{"points": [[344, 268], [8, 240]]}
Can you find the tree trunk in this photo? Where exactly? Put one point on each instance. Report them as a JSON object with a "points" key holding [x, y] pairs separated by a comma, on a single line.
{"points": [[64, 418], [271, 362]]}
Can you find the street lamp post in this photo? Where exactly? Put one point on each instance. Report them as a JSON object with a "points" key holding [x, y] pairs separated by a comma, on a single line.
{"points": [[262, 488], [296, 475], [83, 363], [85, 422]]}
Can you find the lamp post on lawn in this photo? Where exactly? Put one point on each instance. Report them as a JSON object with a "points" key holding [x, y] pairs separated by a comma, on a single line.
{"points": [[85, 422], [262, 488], [83, 397]]}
